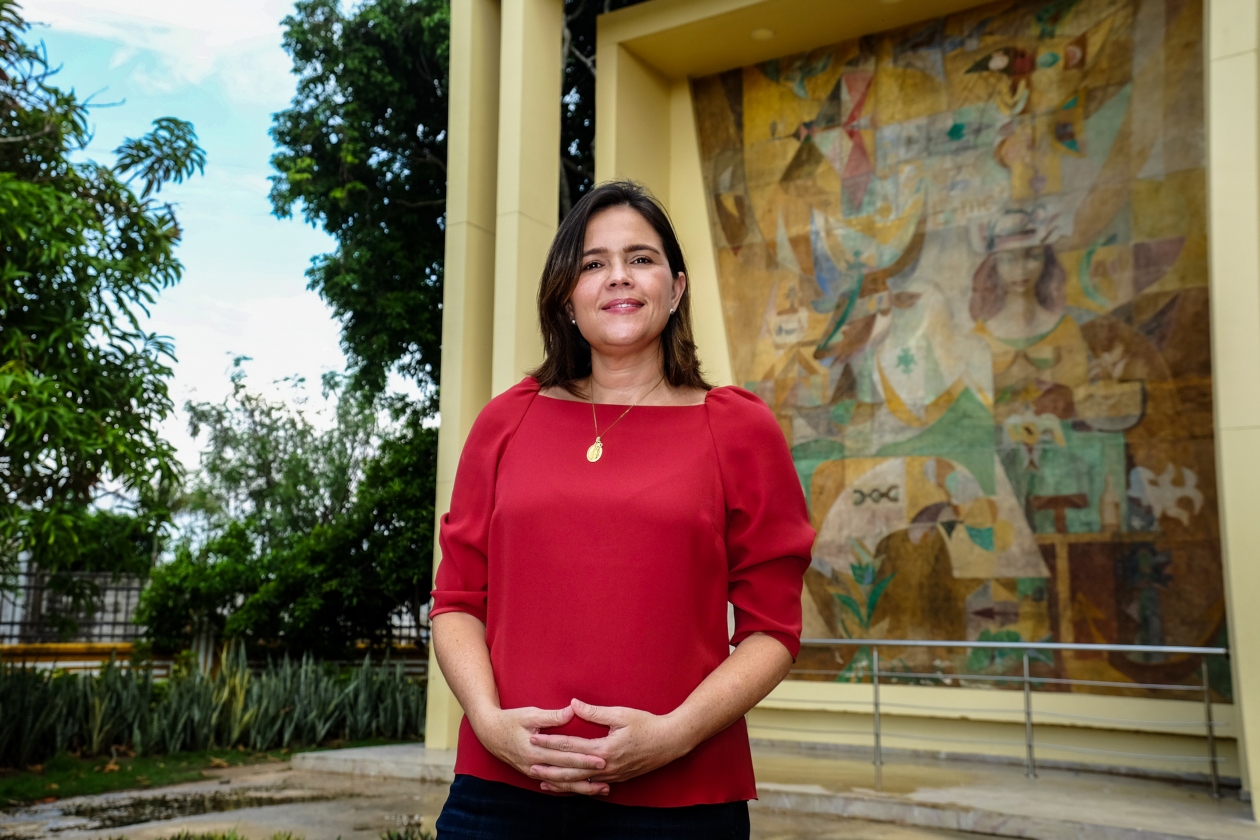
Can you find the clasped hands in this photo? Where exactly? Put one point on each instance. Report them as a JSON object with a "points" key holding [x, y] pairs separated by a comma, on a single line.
{"points": [[637, 742]]}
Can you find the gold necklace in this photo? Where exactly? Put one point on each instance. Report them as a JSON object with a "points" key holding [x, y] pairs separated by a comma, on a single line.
{"points": [[596, 450]]}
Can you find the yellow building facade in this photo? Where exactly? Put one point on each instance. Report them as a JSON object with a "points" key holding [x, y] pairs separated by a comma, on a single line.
{"points": [[842, 174]]}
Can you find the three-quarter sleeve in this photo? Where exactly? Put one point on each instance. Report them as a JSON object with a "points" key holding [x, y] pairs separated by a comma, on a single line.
{"points": [[464, 533], [768, 535]]}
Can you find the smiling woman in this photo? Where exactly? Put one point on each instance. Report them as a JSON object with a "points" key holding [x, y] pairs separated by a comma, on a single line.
{"points": [[580, 611]]}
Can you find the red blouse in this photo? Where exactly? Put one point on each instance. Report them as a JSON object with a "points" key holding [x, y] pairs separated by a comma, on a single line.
{"points": [[609, 581]]}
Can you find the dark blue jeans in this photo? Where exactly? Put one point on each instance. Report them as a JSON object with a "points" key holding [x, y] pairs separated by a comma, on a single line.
{"points": [[480, 810]]}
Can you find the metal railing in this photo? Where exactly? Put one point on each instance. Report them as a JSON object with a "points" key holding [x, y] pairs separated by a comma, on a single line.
{"points": [[1027, 681]]}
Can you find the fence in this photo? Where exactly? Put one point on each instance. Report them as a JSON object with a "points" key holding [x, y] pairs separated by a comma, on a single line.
{"points": [[33, 614], [1029, 683], [32, 629]]}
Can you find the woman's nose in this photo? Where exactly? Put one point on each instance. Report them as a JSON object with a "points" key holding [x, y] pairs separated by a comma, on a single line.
{"points": [[618, 276]]}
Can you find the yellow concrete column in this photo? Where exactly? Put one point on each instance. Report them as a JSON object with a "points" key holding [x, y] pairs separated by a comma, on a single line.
{"points": [[530, 78], [468, 295], [646, 131], [1234, 204]]}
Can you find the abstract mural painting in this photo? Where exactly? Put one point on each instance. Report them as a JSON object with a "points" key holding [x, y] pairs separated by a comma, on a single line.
{"points": [[965, 263]]}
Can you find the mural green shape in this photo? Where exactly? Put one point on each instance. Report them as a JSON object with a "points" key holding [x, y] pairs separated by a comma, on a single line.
{"points": [[965, 265]]}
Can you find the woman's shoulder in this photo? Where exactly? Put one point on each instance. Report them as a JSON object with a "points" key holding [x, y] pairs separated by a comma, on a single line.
{"points": [[736, 412], [504, 412]]}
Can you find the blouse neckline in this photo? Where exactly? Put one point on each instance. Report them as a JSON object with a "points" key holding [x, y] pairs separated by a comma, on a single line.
{"points": [[622, 405]]}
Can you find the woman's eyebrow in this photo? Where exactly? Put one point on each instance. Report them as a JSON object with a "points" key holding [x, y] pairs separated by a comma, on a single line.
{"points": [[628, 249]]}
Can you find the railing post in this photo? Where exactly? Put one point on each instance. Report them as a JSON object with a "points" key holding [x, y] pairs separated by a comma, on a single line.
{"points": [[1211, 731], [1030, 761], [879, 746]]}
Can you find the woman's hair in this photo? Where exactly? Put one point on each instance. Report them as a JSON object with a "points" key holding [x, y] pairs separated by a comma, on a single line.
{"points": [[567, 356], [988, 295]]}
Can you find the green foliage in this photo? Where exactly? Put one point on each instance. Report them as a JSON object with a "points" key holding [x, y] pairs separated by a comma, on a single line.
{"points": [[283, 706], [407, 833], [221, 835], [82, 385], [167, 154], [313, 538], [363, 149], [266, 465]]}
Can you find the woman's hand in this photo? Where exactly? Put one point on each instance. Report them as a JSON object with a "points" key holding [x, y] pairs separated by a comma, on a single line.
{"points": [[509, 734], [637, 742]]}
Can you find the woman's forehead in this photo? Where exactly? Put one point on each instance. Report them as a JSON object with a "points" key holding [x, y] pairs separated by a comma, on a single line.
{"points": [[618, 228]]}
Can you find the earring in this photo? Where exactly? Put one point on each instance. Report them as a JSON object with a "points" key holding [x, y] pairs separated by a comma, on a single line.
{"points": [[573, 320], [671, 312]]}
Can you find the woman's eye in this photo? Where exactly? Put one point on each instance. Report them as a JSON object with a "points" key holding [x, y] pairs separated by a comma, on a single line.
{"points": [[642, 260], [590, 265]]}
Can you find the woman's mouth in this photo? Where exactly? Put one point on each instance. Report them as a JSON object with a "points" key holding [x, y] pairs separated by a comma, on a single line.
{"points": [[623, 305]]}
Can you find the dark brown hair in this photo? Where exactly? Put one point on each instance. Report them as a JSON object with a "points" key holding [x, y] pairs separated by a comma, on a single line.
{"points": [[988, 294], [567, 356]]}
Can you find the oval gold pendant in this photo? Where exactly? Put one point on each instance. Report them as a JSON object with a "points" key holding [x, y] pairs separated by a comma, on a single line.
{"points": [[595, 451]]}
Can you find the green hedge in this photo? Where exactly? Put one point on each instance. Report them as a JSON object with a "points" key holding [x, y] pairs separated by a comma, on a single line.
{"points": [[288, 704]]}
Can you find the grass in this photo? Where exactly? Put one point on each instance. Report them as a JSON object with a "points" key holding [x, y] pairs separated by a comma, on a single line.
{"points": [[65, 776]]}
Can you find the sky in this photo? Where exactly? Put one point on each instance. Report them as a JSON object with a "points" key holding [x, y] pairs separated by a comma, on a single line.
{"points": [[219, 65]]}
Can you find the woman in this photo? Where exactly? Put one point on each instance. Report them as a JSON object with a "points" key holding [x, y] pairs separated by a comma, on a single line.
{"points": [[605, 510], [1039, 355]]}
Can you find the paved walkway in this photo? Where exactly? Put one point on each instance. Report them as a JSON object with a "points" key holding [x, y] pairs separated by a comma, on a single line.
{"points": [[978, 797], [324, 806]]}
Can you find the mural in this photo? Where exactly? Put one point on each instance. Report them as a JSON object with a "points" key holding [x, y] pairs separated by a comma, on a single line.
{"points": [[965, 263]]}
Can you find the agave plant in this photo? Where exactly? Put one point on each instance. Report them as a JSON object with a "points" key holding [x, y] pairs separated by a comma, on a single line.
{"points": [[283, 704]]}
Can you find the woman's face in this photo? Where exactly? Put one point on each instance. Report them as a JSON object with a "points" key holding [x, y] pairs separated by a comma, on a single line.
{"points": [[1020, 269], [625, 291]]}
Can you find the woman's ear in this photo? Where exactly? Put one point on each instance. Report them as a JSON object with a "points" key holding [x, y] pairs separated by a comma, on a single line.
{"points": [[680, 286]]}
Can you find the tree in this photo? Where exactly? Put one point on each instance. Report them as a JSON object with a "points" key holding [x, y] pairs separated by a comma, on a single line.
{"points": [[577, 112], [312, 539], [363, 149], [266, 466], [84, 250]]}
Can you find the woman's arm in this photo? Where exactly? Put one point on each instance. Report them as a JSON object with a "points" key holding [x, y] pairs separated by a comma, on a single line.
{"points": [[638, 742], [459, 640]]}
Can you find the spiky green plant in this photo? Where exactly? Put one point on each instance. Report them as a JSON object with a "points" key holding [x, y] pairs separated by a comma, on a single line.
{"points": [[284, 704]]}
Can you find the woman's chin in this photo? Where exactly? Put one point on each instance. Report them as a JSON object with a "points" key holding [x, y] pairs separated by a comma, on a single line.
{"points": [[618, 343]]}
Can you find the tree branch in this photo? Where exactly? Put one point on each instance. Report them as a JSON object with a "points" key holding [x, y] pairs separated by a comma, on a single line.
{"points": [[589, 63], [48, 129], [429, 157]]}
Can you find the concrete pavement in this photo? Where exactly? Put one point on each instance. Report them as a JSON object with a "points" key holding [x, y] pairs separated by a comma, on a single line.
{"points": [[953, 795]]}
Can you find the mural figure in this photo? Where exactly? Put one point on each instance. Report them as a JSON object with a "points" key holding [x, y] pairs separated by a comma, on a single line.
{"points": [[965, 264]]}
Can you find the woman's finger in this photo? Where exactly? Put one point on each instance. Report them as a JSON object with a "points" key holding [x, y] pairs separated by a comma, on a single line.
{"points": [[550, 773], [606, 715], [546, 718], [566, 743], [583, 787], [558, 758]]}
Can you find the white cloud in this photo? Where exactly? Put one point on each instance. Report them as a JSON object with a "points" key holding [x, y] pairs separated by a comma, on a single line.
{"points": [[182, 43], [284, 336]]}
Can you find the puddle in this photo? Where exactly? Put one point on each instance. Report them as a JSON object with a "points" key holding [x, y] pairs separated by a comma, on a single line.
{"points": [[118, 810]]}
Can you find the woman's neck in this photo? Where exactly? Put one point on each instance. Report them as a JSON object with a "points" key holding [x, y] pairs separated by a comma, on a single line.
{"points": [[1027, 309], [624, 379]]}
